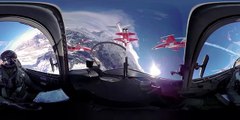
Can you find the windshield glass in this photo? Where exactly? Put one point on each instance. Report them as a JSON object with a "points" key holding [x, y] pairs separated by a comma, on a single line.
{"points": [[152, 32], [222, 47], [151, 37], [32, 47]]}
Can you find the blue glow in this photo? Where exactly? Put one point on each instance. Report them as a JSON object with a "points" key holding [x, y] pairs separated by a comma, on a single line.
{"points": [[11, 31]]}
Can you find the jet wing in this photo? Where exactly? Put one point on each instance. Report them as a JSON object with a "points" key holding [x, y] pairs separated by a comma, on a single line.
{"points": [[160, 46], [86, 48], [71, 48], [130, 33], [119, 39], [127, 34], [132, 39]]}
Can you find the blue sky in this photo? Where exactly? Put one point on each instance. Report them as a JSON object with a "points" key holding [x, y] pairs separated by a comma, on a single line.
{"points": [[152, 20], [223, 48], [10, 31]]}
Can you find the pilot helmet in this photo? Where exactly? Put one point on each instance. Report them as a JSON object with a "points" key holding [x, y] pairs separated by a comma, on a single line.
{"points": [[9, 59]]}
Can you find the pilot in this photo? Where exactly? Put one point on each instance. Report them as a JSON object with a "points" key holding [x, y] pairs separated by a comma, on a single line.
{"points": [[14, 81]]}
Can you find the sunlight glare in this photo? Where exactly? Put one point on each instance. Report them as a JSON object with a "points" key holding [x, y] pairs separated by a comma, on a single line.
{"points": [[154, 71]]}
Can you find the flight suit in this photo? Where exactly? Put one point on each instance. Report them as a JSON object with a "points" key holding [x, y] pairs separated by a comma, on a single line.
{"points": [[13, 85]]}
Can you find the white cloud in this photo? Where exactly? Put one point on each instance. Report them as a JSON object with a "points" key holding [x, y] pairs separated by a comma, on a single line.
{"points": [[237, 43], [159, 15], [134, 56], [229, 36], [3, 43], [99, 21], [96, 21], [28, 35]]}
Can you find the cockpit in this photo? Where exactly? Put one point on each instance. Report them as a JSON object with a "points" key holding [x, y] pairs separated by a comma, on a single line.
{"points": [[135, 55]]}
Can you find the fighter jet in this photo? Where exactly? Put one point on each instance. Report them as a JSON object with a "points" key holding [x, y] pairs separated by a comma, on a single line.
{"points": [[78, 47], [124, 35], [170, 42]]}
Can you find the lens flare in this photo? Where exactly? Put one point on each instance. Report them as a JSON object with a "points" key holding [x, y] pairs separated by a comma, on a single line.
{"points": [[154, 70]]}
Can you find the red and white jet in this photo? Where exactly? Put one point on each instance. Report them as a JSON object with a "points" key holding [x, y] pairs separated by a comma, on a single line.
{"points": [[170, 42], [124, 35], [85, 40], [78, 47]]}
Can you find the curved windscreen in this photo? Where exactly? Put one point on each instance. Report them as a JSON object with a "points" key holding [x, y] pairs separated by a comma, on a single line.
{"points": [[151, 36], [222, 47], [31, 46]]}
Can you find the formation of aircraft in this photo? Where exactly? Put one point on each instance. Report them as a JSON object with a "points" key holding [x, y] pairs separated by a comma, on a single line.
{"points": [[168, 42], [124, 35], [93, 97]]}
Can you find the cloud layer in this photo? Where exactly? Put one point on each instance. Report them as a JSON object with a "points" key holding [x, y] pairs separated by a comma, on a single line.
{"points": [[96, 21]]}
